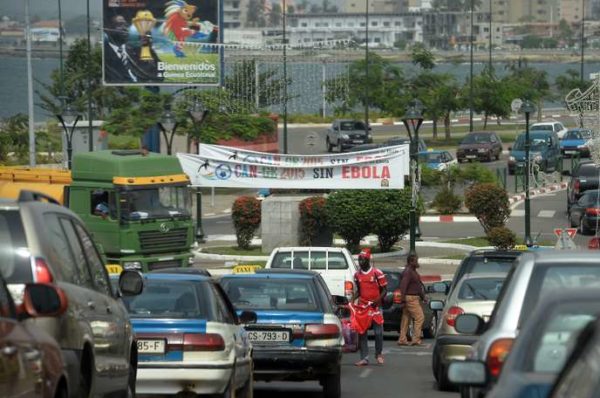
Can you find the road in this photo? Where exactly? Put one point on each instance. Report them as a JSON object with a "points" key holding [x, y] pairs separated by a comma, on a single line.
{"points": [[407, 372]]}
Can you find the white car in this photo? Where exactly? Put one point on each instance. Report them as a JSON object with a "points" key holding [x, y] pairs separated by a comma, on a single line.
{"points": [[335, 264], [189, 338], [554, 126]]}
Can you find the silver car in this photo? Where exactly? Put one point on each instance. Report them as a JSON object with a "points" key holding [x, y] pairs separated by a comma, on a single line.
{"points": [[533, 275]]}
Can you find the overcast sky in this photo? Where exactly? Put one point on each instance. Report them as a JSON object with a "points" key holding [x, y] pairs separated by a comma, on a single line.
{"points": [[48, 9]]}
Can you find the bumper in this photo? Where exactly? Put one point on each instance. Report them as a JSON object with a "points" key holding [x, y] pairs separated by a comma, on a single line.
{"points": [[350, 143], [473, 156], [272, 363], [452, 348], [204, 379]]}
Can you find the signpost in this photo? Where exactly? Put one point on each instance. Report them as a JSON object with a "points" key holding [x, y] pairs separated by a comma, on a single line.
{"points": [[565, 238]]}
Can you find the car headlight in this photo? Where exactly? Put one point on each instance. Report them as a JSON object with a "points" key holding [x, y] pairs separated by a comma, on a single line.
{"points": [[511, 158], [345, 136], [482, 150], [132, 265], [581, 146]]}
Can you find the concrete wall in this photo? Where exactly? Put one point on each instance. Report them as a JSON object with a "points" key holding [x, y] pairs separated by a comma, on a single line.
{"points": [[280, 221]]}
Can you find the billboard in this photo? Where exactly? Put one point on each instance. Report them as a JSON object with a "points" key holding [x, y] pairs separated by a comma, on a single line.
{"points": [[226, 167], [153, 42]]}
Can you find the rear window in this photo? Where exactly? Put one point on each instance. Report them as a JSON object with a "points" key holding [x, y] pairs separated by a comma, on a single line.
{"points": [[309, 260], [588, 170], [15, 261], [172, 299], [489, 265], [557, 278], [272, 294], [481, 289], [543, 127]]}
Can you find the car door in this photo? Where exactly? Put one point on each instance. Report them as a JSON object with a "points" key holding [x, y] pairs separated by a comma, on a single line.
{"points": [[337, 273], [496, 145], [20, 369], [117, 336]]}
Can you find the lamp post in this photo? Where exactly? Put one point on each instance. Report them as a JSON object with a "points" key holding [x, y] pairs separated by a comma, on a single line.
{"points": [[582, 39], [89, 79], [285, 81], [527, 108], [471, 74], [412, 121], [367, 67], [198, 113], [168, 125], [68, 118]]}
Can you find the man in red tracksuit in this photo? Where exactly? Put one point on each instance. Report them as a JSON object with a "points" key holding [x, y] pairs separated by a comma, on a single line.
{"points": [[371, 289]]}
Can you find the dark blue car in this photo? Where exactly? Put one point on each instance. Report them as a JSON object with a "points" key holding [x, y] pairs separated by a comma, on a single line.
{"points": [[576, 142], [544, 151], [297, 335]]}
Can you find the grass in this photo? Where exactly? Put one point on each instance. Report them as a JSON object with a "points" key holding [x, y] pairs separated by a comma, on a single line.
{"points": [[235, 251]]}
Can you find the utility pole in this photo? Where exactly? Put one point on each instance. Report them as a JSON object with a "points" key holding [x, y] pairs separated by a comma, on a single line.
{"points": [[491, 41], [29, 87], [367, 67], [60, 51], [471, 74], [89, 80], [285, 82], [582, 38]]}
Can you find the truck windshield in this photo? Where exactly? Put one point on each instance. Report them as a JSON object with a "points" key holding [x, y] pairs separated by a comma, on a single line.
{"points": [[155, 202]]}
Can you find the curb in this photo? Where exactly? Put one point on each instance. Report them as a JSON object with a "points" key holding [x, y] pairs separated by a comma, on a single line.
{"points": [[447, 219], [540, 191]]}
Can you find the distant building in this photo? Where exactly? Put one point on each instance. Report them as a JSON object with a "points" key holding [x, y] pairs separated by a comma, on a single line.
{"points": [[234, 13], [45, 32], [572, 10], [245, 37]]}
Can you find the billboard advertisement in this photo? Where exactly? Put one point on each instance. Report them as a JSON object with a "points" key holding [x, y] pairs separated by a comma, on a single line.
{"points": [[154, 42]]}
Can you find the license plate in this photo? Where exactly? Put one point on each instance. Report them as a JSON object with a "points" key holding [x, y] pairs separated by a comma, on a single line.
{"points": [[570, 152], [471, 156], [357, 141], [269, 336], [151, 346]]}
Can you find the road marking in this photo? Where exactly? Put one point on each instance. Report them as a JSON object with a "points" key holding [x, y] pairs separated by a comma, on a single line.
{"points": [[517, 213], [365, 373], [546, 213]]}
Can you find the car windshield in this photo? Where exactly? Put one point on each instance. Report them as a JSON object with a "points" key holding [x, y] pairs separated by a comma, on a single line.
{"points": [[486, 289], [170, 201], [537, 143], [476, 139], [431, 157], [171, 299], [573, 135], [557, 336], [542, 127], [272, 294], [15, 259], [313, 260], [557, 277], [349, 126]]}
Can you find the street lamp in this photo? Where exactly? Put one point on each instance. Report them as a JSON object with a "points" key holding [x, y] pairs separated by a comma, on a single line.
{"points": [[527, 108], [412, 120], [198, 113], [68, 118], [168, 125]]}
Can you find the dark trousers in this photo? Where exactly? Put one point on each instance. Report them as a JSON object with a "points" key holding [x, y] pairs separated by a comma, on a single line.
{"points": [[363, 341]]}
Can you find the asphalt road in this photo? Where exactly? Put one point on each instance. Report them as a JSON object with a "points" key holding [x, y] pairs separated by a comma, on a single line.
{"points": [[407, 373]]}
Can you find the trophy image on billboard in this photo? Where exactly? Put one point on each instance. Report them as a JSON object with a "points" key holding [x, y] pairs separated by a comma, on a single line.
{"points": [[144, 21]]}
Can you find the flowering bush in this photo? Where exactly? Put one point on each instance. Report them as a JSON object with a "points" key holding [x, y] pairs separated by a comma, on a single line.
{"points": [[246, 217], [312, 219]]}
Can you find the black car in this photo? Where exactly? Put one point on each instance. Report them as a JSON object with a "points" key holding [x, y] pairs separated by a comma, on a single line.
{"points": [[585, 213], [298, 334], [392, 310], [585, 176]]}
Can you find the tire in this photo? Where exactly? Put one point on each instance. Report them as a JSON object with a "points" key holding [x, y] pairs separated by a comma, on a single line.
{"points": [[86, 376], [583, 229], [61, 391], [332, 385], [443, 383], [430, 331], [130, 392], [572, 222], [329, 146]]}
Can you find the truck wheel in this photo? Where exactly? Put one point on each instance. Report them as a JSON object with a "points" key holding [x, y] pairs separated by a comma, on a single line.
{"points": [[329, 146], [332, 385], [443, 383]]}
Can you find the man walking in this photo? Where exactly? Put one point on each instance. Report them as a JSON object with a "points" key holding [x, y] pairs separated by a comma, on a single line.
{"points": [[412, 292], [371, 289]]}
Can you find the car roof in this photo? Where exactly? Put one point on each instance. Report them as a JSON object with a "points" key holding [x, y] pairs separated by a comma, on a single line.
{"points": [[181, 270], [432, 151], [567, 258], [483, 275], [275, 274], [177, 277], [309, 248], [495, 253]]}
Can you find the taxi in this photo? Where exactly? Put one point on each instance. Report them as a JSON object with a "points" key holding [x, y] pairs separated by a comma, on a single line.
{"points": [[298, 334]]}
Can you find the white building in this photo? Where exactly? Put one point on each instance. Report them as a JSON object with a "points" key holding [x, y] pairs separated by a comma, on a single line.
{"points": [[384, 29], [248, 36], [234, 13]]}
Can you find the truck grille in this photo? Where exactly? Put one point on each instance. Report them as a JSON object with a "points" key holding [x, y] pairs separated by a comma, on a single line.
{"points": [[164, 264], [157, 240]]}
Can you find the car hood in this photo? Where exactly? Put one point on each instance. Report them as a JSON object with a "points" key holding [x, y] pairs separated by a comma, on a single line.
{"points": [[522, 385], [353, 132], [520, 155], [474, 146], [571, 143]]}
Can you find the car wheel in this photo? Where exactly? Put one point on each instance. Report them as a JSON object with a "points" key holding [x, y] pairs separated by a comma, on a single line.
{"points": [[130, 392], [332, 385], [230, 390], [582, 228], [430, 331], [442, 379], [61, 391], [86, 375], [329, 146]]}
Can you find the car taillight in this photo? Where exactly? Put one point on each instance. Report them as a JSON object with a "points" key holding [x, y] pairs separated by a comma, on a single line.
{"points": [[397, 296], [349, 289], [592, 212], [594, 243], [42, 271], [497, 355], [451, 315], [313, 331], [576, 186], [203, 342]]}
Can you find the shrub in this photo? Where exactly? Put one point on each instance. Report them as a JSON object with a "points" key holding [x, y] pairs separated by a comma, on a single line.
{"points": [[312, 219], [390, 216], [476, 173], [502, 238], [349, 214], [246, 219], [489, 203], [446, 201]]}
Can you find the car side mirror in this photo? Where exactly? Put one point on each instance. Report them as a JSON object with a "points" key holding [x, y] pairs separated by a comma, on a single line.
{"points": [[440, 287], [340, 300], [343, 312], [247, 317], [44, 300], [467, 372], [469, 324], [436, 305], [131, 282]]}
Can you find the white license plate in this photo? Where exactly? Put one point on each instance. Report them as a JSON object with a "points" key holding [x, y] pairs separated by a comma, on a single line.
{"points": [[357, 141], [471, 156], [570, 152], [151, 346], [269, 336]]}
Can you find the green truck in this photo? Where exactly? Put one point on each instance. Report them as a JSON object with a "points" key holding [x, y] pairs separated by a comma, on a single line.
{"points": [[136, 204]]}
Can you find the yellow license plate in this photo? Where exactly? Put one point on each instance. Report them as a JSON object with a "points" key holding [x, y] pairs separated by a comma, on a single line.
{"points": [[245, 269], [114, 269]]}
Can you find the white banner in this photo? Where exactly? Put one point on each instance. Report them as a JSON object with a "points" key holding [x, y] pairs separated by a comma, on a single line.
{"points": [[219, 166]]}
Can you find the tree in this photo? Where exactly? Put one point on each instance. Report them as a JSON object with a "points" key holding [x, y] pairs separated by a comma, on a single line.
{"points": [[489, 203], [275, 15], [242, 85], [528, 83], [491, 96], [423, 57], [568, 81], [390, 215], [350, 215], [246, 215], [255, 14], [14, 137], [565, 32]]}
